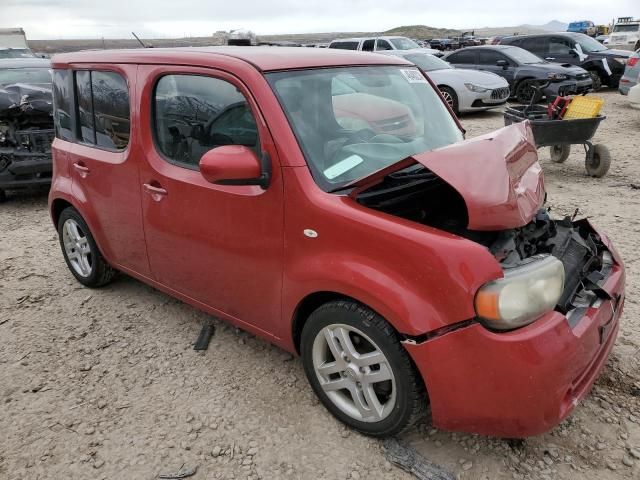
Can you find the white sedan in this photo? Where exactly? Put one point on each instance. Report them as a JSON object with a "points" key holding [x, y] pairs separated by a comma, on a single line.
{"points": [[634, 96], [464, 90]]}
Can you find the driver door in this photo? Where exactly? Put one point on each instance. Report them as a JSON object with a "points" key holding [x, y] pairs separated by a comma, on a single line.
{"points": [[561, 50], [220, 245]]}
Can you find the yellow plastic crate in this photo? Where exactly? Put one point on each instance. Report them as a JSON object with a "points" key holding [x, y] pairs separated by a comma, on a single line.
{"points": [[584, 107]]}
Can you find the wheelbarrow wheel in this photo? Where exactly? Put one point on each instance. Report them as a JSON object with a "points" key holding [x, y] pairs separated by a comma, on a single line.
{"points": [[559, 153], [598, 163]]}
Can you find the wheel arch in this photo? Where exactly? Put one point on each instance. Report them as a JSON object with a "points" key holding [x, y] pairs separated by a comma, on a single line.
{"points": [[57, 206]]}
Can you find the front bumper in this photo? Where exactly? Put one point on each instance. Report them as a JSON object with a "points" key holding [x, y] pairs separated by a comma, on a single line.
{"points": [[494, 97], [26, 171], [520, 383], [568, 87]]}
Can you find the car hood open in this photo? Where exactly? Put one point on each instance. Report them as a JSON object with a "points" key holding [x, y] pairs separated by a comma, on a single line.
{"points": [[497, 175]]}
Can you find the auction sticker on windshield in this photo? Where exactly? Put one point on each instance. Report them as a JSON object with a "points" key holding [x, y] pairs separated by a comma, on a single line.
{"points": [[343, 166], [413, 76]]}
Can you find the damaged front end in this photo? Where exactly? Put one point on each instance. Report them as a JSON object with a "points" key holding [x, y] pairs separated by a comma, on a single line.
{"points": [[26, 134], [491, 190]]}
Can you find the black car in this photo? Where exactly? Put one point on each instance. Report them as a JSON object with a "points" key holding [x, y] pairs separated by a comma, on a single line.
{"points": [[523, 70], [604, 65], [26, 124]]}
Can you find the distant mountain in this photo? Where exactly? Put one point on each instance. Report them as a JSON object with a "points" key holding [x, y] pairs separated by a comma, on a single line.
{"points": [[422, 31], [553, 26]]}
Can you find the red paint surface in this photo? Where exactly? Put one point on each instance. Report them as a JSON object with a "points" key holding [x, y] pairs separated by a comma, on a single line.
{"points": [[239, 252]]}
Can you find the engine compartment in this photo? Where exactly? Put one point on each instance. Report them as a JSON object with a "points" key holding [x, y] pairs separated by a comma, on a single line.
{"points": [[419, 195]]}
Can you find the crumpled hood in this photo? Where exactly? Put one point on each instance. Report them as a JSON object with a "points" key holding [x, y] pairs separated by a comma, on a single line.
{"points": [[497, 175], [24, 99]]}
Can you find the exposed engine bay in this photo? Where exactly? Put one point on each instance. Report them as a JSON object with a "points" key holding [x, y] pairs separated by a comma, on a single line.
{"points": [[26, 133], [419, 195]]}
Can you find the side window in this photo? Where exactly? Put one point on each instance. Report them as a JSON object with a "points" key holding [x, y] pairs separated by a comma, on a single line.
{"points": [[464, 57], [110, 109], [489, 57], [344, 45], [533, 44], [367, 45], [84, 105], [193, 114], [383, 45], [62, 105], [559, 46]]}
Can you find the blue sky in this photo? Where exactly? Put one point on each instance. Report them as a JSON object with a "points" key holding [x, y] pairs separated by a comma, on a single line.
{"points": [[162, 18]]}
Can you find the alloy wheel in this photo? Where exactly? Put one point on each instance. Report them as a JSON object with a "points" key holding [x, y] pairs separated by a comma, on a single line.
{"points": [[77, 248], [354, 373], [448, 98]]}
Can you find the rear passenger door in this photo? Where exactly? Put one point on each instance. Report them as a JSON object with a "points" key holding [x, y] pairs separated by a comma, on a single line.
{"points": [[103, 166], [220, 245]]}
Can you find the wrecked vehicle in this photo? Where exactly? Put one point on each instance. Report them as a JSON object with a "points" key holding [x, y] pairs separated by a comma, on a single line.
{"points": [[26, 124], [407, 266]]}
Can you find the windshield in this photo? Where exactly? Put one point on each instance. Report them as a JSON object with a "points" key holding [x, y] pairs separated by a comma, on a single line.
{"points": [[25, 75], [627, 28], [403, 43], [427, 62], [351, 122], [16, 53], [588, 44], [522, 56]]}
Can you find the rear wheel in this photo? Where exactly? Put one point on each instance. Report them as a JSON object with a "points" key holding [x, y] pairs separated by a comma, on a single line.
{"points": [[525, 91], [81, 252], [357, 367], [451, 98], [597, 80], [597, 165], [559, 153]]}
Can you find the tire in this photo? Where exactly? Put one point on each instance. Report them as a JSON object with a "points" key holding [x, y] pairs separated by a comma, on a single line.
{"points": [[598, 165], [525, 92], [3, 196], [451, 98], [386, 406], [597, 80], [559, 153], [80, 251]]}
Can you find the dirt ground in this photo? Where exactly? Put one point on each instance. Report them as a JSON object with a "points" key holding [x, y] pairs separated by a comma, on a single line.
{"points": [[105, 384]]}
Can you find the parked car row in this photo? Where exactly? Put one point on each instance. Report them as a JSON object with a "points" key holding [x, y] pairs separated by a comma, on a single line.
{"points": [[381, 44]]}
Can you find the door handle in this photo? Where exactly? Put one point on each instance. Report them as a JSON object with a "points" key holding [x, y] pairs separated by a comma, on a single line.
{"points": [[83, 170], [157, 193]]}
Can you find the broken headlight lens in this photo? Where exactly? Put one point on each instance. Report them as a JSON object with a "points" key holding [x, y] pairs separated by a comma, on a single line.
{"points": [[522, 295]]}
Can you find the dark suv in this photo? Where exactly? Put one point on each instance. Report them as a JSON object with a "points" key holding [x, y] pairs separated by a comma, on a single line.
{"points": [[523, 70], [605, 66]]}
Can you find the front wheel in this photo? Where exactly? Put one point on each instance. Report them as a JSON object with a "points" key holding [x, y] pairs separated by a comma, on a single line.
{"points": [[3, 196], [359, 370], [559, 153], [525, 91], [597, 164], [597, 80], [450, 97], [81, 252]]}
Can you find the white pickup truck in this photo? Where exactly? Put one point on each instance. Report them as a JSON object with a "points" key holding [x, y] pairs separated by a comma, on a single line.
{"points": [[13, 44], [625, 34]]}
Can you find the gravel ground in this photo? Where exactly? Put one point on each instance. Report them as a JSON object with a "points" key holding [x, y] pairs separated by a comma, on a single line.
{"points": [[105, 384]]}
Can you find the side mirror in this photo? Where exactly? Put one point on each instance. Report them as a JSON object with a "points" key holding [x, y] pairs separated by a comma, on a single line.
{"points": [[502, 63], [235, 165]]}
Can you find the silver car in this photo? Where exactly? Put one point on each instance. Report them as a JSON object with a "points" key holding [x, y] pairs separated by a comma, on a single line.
{"points": [[631, 75], [464, 90]]}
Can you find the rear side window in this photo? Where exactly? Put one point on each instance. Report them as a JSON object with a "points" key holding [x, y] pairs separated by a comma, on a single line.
{"points": [[194, 114], [344, 45], [102, 100], [466, 57], [533, 44], [62, 104]]}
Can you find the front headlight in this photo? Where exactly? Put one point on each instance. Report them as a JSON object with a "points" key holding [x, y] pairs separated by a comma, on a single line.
{"points": [[621, 60], [476, 88], [557, 76], [525, 293]]}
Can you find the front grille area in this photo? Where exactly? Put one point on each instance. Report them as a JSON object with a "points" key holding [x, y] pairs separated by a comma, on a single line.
{"points": [[500, 93], [582, 76]]}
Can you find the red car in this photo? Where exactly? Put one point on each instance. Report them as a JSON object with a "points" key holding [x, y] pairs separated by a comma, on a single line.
{"points": [[407, 266]]}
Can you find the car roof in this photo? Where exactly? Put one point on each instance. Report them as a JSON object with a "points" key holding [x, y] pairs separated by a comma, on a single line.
{"points": [[486, 47], [24, 63], [358, 39], [262, 58]]}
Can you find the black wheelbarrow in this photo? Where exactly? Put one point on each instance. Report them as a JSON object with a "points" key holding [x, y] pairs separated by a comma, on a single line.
{"points": [[559, 135]]}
